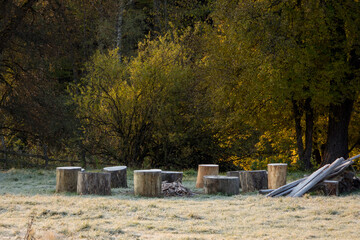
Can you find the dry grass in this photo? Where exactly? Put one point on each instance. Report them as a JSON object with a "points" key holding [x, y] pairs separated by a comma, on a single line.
{"points": [[123, 216]]}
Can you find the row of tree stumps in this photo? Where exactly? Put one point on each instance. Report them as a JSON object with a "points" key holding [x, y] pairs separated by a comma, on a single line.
{"points": [[149, 182], [248, 181], [146, 182]]}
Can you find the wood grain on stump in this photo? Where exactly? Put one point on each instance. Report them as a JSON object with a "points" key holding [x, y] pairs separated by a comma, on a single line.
{"points": [[98, 183], [171, 176], [276, 175], [66, 179], [118, 176], [205, 170], [253, 180], [147, 183], [234, 174], [221, 184]]}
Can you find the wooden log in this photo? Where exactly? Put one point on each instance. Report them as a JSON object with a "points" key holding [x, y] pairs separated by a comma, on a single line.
{"points": [[234, 174], [147, 183], [221, 184], [265, 191], [308, 179], [340, 169], [280, 191], [308, 184], [171, 176], [276, 175], [331, 188], [118, 176], [66, 179], [98, 183], [205, 170], [253, 180]]}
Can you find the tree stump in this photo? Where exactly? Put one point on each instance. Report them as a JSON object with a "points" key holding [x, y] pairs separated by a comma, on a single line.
{"points": [[234, 174], [171, 176], [253, 180], [276, 175], [66, 179], [147, 183], [221, 184], [331, 188], [118, 176], [205, 170], [98, 183]]}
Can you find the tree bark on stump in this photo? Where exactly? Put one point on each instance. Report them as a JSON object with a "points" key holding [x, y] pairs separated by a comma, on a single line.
{"points": [[234, 174], [118, 176], [276, 175], [221, 184], [205, 170], [253, 180], [66, 179], [147, 183], [331, 188], [94, 183], [171, 176]]}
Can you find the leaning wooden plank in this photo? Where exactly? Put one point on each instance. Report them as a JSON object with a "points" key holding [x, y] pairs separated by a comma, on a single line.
{"points": [[354, 157], [284, 193], [265, 191], [285, 187], [318, 178], [309, 179], [340, 169]]}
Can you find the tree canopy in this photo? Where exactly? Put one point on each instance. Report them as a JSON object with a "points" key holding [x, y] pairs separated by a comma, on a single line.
{"points": [[176, 83]]}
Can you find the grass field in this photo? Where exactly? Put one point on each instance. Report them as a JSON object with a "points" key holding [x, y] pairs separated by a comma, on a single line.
{"points": [[27, 194]]}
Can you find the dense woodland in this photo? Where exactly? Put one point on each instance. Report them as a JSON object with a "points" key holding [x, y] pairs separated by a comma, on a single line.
{"points": [[175, 83]]}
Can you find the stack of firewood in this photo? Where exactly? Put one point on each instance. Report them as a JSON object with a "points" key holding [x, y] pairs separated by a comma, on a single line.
{"points": [[175, 189], [343, 180]]}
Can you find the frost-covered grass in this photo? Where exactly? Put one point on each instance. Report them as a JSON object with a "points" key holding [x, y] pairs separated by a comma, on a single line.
{"points": [[30, 193]]}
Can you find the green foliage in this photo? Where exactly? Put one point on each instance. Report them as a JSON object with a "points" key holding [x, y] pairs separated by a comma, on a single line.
{"points": [[147, 110], [241, 83], [266, 55]]}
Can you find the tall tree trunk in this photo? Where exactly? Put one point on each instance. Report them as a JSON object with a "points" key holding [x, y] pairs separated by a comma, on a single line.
{"points": [[297, 117], [337, 139], [304, 153], [309, 123], [157, 22], [119, 26]]}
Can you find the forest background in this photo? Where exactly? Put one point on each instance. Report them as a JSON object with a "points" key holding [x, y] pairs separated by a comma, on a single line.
{"points": [[175, 83]]}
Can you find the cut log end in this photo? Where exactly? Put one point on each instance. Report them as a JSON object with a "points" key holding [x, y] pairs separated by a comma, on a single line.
{"points": [[118, 176], [221, 184], [253, 180], [205, 170], [276, 175], [94, 183], [66, 179], [147, 183]]}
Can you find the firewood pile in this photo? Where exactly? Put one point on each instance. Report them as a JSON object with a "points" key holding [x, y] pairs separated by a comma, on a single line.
{"points": [[175, 189], [340, 178]]}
